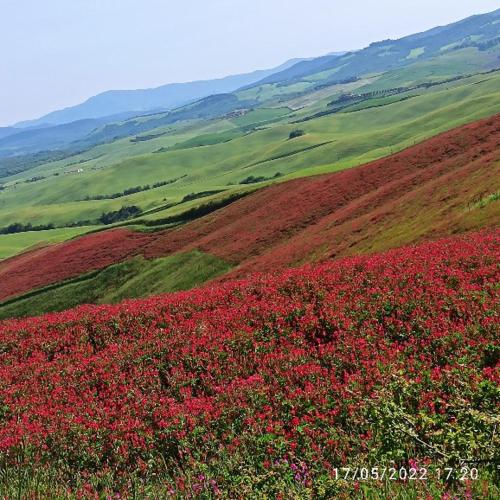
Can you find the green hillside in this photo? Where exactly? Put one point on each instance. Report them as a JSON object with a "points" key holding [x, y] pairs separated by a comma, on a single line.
{"points": [[465, 47], [479, 32], [12, 244]]}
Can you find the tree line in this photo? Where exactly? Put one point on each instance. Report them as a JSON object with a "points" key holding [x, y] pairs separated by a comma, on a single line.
{"points": [[18, 227], [124, 213], [132, 190]]}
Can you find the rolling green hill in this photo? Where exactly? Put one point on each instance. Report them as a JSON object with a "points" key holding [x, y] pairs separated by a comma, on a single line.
{"points": [[480, 32], [466, 47]]}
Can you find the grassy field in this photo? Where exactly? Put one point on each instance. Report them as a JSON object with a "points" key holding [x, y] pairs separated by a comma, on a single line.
{"points": [[12, 244], [135, 278], [356, 137], [466, 61]]}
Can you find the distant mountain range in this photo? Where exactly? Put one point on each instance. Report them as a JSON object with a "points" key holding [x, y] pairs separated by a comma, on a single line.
{"points": [[6, 131], [161, 98], [19, 141]]}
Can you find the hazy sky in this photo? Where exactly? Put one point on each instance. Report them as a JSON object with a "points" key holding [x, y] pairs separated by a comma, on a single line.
{"points": [[56, 53]]}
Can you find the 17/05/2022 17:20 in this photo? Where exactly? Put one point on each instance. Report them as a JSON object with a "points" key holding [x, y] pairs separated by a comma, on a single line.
{"points": [[379, 473]]}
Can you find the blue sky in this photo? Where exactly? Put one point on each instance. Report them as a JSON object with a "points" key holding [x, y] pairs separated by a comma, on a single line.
{"points": [[56, 53]]}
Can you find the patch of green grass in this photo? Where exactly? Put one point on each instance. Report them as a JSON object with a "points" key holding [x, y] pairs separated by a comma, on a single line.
{"points": [[378, 101], [272, 91], [192, 209], [486, 200], [259, 116], [134, 278], [459, 62], [12, 244], [416, 53], [206, 140]]}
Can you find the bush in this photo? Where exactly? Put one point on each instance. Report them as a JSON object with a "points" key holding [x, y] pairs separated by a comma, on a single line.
{"points": [[201, 194], [296, 133], [251, 179], [119, 215]]}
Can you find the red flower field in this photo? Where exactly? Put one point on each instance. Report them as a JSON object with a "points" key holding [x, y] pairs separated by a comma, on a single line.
{"points": [[267, 386], [306, 219]]}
